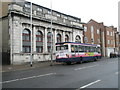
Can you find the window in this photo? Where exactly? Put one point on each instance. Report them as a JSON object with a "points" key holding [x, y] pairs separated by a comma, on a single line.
{"points": [[58, 14], [49, 37], [77, 39], [98, 32], [80, 48], [49, 12], [72, 48], [58, 38], [39, 42], [27, 5], [65, 17], [92, 29], [26, 41], [39, 49], [76, 48], [85, 39], [92, 33], [49, 49], [107, 32], [78, 20], [39, 9], [62, 47], [111, 33], [26, 49], [87, 49], [85, 28], [66, 38], [39, 36], [26, 35]]}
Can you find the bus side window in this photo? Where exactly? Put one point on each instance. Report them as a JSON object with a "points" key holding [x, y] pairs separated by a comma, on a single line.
{"points": [[87, 49], [57, 48], [91, 49], [81, 48], [72, 48], [66, 47], [76, 48]]}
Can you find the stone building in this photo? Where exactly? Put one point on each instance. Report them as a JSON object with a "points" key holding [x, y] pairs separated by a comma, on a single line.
{"points": [[26, 31]]}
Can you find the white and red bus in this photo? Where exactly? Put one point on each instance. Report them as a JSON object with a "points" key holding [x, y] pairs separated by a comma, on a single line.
{"points": [[69, 52]]}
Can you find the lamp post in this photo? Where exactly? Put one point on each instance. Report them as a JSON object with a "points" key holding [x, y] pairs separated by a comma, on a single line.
{"points": [[31, 54], [51, 64]]}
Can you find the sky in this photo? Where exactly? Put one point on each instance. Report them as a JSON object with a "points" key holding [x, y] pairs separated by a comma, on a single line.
{"points": [[99, 10]]}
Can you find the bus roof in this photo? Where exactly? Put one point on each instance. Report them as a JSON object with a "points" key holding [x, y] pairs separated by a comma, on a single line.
{"points": [[84, 44]]}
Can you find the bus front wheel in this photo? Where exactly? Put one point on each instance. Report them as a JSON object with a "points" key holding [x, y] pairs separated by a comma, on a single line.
{"points": [[96, 58]]}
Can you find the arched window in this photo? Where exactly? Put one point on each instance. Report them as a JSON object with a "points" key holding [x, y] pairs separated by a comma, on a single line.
{"points": [[39, 36], [58, 38], [66, 38], [49, 36], [26, 35], [26, 41], [85, 39], [39, 42], [77, 39]]}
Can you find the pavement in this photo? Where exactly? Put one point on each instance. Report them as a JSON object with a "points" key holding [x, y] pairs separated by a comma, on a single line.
{"points": [[8, 68]]}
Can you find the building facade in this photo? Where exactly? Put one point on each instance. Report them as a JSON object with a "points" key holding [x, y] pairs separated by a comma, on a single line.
{"points": [[105, 36], [111, 40], [94, 34], [29, 32]]}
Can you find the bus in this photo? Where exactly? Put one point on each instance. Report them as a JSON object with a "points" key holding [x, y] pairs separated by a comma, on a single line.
{"points": [[74, 52]]}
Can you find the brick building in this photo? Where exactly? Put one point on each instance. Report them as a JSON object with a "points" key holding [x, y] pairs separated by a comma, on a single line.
{"points": [[28, 30], [105, 36], [94, 34], [109, 40]]}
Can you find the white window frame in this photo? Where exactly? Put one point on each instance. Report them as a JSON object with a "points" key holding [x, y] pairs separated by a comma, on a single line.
{"points": [[58, 15], [85, 28], [107, 32], [39, 9], [27, 5], [111, 33], [98, 31], [49, 12]]}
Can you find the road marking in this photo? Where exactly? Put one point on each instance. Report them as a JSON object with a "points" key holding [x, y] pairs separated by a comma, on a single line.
{"points": [[86, 67], [28, 78], [89, 84]]}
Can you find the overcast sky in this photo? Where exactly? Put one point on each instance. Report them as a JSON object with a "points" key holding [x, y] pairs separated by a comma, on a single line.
{"points": [[100, 10]]}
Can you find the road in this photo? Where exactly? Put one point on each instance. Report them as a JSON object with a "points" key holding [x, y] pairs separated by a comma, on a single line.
{"points": [[99, 74]]}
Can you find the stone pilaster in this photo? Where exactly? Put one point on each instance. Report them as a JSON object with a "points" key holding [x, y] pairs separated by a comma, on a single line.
{"points": [[45, 41]]}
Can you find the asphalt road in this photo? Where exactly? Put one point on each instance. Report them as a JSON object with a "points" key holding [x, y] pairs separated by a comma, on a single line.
{"points": [[98, 74]]}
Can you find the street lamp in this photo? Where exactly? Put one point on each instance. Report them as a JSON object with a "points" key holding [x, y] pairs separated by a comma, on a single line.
{"points": [[31, 54], [51, 64]]}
